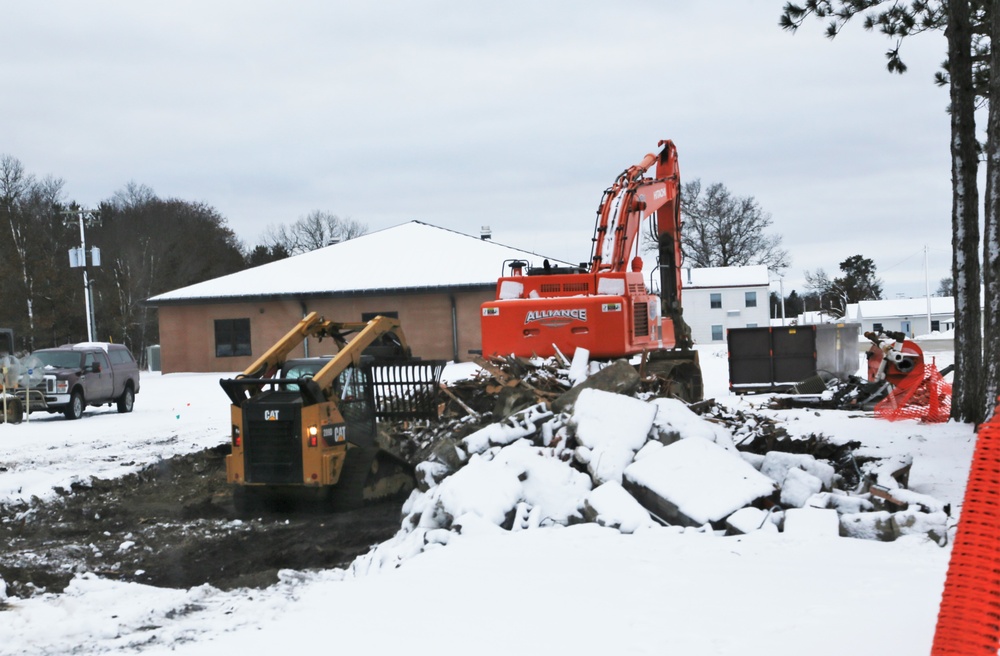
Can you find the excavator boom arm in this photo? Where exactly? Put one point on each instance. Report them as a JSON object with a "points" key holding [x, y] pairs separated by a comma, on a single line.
{"points": [[628, 201]]}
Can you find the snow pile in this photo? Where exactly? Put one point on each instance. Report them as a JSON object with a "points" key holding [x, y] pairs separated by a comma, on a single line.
{"points": [[621, 461], [662, 580]]}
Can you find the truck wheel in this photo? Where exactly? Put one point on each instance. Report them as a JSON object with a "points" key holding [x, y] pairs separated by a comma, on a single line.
{"points": [[126, 400], [75, 408]]}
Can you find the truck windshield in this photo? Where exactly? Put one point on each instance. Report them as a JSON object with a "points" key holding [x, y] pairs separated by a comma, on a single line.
{"points": [[59, 359]]}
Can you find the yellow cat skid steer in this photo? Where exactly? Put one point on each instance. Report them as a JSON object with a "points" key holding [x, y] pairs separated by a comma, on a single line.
{"points": [[308, 427]]}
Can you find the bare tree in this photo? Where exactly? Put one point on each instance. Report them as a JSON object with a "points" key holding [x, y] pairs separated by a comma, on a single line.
{"points": [[722, 230], [314, 230], [30, 215], [820, 286], [150, 245]]}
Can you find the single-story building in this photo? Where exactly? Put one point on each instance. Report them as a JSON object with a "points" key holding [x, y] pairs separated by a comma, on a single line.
{"points": [[719, 298], [432, 279], [906, 315]]}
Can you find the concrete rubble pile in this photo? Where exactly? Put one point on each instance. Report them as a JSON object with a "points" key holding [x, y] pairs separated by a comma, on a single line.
{"points": [[520, 446]]}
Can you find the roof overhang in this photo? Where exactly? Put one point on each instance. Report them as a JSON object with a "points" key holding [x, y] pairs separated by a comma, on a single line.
{"points": [[297, 296]]}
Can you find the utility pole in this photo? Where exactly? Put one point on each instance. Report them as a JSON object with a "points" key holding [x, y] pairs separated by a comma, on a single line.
{"points": [[927, 290], [781, 292], [78, 259]]}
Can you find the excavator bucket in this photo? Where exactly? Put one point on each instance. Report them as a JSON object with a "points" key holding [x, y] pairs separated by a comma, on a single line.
{"points": [[675, 373]]}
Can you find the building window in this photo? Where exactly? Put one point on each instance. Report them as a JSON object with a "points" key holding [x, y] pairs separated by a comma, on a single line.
{"points": [[232, 337], [877, 327], [717, 333], [751, 325], [751, 299], [935, 326], [368, 316], [716, 299]]}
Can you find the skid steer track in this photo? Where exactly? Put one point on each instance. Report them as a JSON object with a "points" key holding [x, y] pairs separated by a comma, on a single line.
{"points": [[370, 475]]}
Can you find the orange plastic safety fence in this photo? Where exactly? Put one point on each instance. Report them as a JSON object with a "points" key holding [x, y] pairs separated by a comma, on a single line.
{"points": [[969, 619], [926, 397]]}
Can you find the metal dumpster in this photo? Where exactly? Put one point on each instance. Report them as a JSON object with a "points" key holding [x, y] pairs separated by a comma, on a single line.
{"points": [[775, 359]]}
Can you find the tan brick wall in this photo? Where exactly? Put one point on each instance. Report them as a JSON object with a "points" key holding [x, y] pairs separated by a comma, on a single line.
{"points": [[187, 332]]}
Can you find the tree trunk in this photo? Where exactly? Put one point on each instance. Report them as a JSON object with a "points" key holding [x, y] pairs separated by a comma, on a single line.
{"points": [[968, 387], [991, 238]]}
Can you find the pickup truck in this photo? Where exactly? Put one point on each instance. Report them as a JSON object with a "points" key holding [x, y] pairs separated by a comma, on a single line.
{"points": [[75, 376]]}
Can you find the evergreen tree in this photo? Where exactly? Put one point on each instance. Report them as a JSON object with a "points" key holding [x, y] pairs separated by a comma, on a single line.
{"points": [[965, 72]]}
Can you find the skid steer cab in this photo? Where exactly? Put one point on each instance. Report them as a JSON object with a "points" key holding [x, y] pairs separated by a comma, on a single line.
{"points": [[310, 427]]}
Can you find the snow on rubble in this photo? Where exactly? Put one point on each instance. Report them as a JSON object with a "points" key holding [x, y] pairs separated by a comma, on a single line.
{"points": [[633, 461]]}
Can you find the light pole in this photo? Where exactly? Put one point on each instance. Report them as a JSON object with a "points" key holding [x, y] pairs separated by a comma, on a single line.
{"points": [[78, 259]]}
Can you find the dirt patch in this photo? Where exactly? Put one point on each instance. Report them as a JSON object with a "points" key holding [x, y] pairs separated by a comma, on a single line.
{"points": [[173, 524]]}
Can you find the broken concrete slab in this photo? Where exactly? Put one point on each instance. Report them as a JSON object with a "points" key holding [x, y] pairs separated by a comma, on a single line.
{"points": [[610, 505], [693, 481], [886, 526], [777, 463], [607, 462], [619, 377], [798, 487], [840, 501], [674, 418], [750, 519], [913, 522], [601, 417], [868, 526]]}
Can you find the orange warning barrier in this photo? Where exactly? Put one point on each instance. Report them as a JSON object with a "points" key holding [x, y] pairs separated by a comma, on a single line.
{"points": [[926, 397], [969, 619]]}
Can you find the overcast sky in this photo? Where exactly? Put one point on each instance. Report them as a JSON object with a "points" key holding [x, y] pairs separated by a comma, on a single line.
{"points": [[513, 114]]}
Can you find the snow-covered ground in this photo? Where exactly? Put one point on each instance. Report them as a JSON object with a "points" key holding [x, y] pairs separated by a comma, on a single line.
{"points": [[582, 589]]}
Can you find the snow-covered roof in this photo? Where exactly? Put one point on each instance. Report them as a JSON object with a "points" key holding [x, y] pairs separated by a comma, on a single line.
{"points": [[746, 276], [409, 256], [906, 307]]}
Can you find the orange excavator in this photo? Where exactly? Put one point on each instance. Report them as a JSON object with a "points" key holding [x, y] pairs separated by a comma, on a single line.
{"points": [[604, 305]]}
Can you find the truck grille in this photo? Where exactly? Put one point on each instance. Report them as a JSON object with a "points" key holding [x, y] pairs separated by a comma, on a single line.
{"points": [[273, 452]]}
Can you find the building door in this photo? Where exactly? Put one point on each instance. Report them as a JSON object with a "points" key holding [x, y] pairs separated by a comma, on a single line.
{"points": [[905, 328]]}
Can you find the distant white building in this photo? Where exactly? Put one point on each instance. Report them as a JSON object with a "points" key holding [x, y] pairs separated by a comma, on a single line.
{"points": [[717, 299], [905, 315]]}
